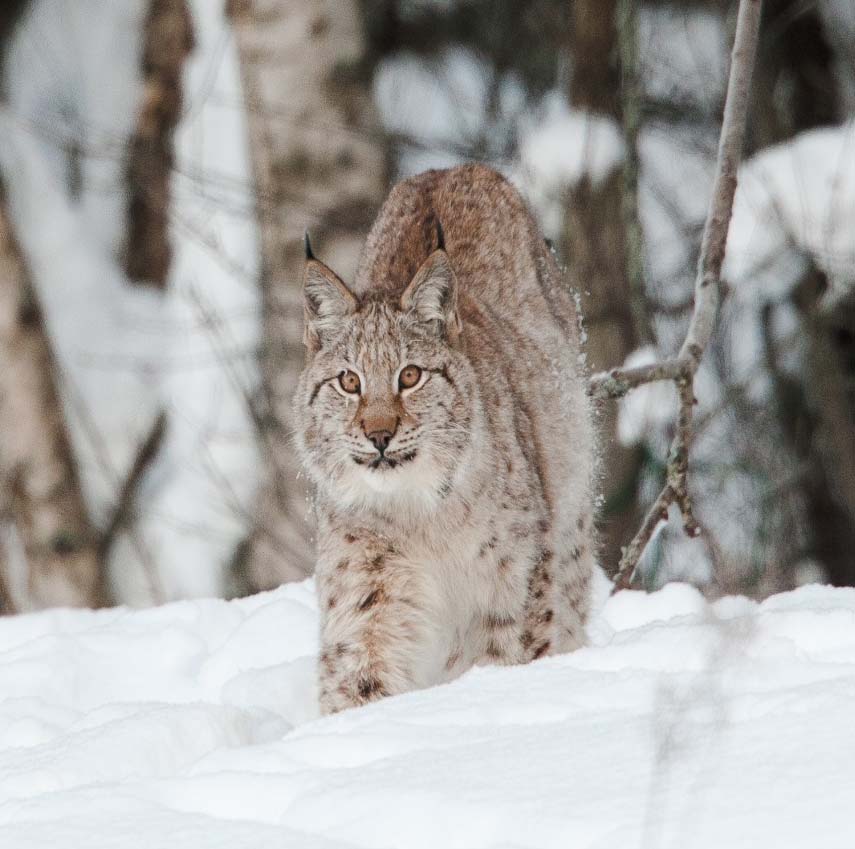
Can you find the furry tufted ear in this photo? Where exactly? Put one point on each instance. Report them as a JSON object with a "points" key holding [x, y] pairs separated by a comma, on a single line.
{"points": [[431, 296], [326, 302]]}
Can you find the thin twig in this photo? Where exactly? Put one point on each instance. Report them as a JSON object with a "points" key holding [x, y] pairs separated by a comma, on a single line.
{"points": [[619, 381], [124, 510], [682, 368]]}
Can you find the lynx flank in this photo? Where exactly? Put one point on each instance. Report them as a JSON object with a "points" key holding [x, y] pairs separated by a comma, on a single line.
{"points": [[442, 417]]}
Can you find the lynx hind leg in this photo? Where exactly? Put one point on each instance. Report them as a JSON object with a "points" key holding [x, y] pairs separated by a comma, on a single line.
{"points": [[574, 575], [538, 636], [530, 633], [558, 593], [554, 612]]}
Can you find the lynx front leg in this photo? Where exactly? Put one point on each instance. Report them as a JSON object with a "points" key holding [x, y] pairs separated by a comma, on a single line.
{"points": [[376, 634]]}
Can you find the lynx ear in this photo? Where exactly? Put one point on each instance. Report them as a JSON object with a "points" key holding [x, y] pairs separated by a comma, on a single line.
{"points": [[432, 296], [326, 303]]}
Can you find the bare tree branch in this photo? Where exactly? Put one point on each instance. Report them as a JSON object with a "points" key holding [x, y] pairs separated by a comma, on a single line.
{"points": [[683, 367], [125, 508], [617, 382]]}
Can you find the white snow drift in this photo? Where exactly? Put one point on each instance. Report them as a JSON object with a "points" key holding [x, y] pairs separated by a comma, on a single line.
{"points": [[194, 725]]}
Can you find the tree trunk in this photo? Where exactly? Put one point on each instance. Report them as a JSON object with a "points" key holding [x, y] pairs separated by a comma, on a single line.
{"points": [[167, 39], [319, 164], [10, 13], [37, 468], [594, 248], [829, 385], [595, 80]]}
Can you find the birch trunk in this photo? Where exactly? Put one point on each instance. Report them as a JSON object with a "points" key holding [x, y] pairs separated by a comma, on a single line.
{"points": [[319, 164], [167, 39], [37, 469], [595, 249]]}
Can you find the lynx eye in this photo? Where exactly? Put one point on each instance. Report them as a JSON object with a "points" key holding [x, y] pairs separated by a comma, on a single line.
{"points": [[409, 377], [349, 382]]}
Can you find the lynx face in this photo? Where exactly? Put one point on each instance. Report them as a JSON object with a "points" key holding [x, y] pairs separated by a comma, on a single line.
{"points": [[385, 404]]}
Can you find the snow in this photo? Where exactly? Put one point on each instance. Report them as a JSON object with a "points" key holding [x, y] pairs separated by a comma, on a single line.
{"points": [[438, 106], [677, 168], [795, 200], [649, 409], [685, 723], [125, 351], [558, 147], [683, 56]]}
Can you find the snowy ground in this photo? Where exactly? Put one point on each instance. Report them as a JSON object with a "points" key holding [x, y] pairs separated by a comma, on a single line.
{"points": [[194, 725]]}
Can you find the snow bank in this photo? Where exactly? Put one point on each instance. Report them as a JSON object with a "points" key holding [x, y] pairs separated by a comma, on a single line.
{"points": [[794, 200], [560, 146], [648, 411], [194, 725], [683, 55], [438, 107]]}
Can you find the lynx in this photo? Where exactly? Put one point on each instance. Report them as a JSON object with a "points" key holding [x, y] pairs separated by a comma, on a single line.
{"points": [[443, 420]]}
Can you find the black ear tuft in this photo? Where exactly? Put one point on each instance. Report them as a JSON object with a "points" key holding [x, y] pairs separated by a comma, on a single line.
{"points": [[326, 303], [307, 244]]}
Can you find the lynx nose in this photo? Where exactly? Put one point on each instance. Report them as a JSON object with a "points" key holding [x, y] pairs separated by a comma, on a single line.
{"points": [[379, 428], [380, 439]]}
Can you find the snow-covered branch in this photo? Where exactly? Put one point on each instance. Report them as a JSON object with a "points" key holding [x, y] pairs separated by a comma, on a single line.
{"points": [[683, 367]]}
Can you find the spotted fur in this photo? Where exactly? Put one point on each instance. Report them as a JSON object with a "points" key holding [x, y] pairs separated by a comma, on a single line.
{"points": [[469, 538]]}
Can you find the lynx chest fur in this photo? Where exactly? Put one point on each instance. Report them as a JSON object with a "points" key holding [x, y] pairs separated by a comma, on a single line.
{"points": [[443, 420]]}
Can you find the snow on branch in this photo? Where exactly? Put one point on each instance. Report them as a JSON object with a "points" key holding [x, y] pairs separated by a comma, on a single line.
{"points": [[682, 368]]}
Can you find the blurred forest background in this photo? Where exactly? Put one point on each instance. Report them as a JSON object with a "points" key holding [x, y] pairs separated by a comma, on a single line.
{"points": [[161, 159]]}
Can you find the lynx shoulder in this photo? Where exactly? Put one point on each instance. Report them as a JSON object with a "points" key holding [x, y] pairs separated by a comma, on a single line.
{"points": [[443, 420]]}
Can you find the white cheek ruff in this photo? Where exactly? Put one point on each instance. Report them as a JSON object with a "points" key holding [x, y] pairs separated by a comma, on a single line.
{"points": [[409, 488]]}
